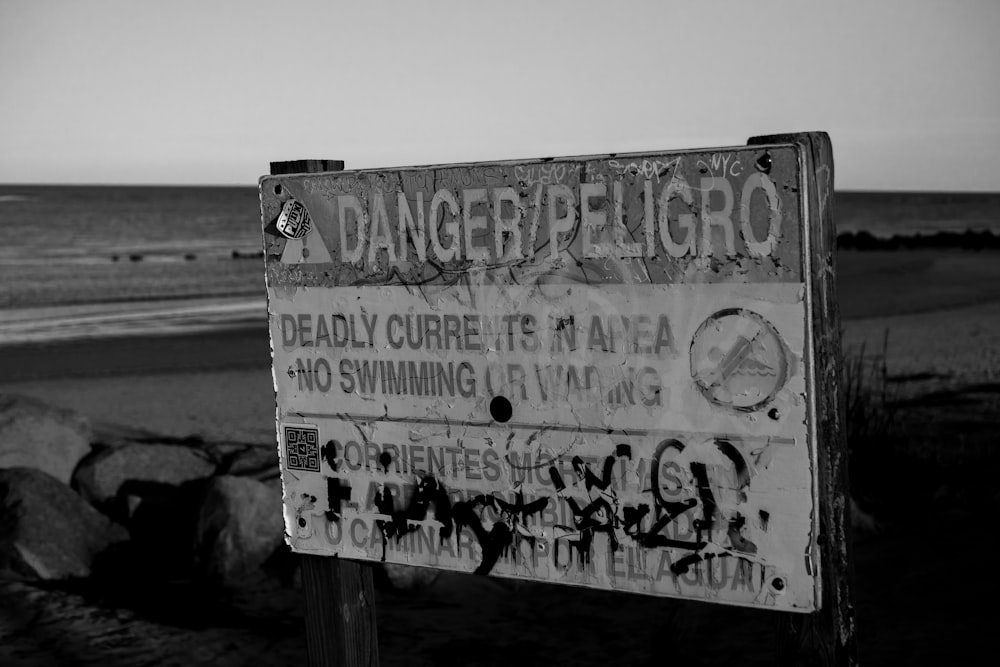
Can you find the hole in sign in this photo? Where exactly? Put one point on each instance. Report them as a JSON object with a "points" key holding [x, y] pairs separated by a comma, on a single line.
{"points": [[277, 189], [501, 410]]}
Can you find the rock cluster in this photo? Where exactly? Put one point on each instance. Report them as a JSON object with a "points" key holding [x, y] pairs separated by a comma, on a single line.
{"points": [[135, 506], [72, 507]]}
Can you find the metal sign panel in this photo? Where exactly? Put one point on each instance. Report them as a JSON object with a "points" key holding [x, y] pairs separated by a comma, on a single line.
{"points": [[590, 371]]}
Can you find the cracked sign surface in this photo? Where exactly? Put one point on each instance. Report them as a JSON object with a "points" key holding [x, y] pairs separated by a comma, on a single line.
{"points": [[589, 371]]}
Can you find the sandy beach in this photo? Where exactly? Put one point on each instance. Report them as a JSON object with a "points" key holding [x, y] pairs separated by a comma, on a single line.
{"points": [[942, 315]]}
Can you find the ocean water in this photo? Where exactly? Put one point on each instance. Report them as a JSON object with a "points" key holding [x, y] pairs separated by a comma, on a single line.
{"points": [[89, 260], [888, 214], [86, 224], [94, 244]]}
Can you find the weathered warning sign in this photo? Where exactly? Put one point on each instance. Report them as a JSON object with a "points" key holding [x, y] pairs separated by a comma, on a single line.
{"points": [[589, 371]]}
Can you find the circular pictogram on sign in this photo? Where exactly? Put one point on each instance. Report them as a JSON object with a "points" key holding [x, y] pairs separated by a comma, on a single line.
{"points": [[738, 360]]}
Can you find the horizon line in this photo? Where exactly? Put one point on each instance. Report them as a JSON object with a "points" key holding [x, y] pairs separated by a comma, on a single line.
{"points": [[254, 186]]}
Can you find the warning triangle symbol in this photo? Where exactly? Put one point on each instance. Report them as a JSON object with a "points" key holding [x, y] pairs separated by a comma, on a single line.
{"points": [[307, 250]]}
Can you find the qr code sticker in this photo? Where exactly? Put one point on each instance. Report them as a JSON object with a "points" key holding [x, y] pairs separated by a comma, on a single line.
{"points": [[302, 448]]}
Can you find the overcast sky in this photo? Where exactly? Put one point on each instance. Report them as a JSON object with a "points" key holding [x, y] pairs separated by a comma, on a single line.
{"points": [[208, 92]]}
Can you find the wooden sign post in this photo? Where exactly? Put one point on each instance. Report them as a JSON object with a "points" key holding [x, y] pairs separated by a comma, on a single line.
{"points": [[617, 372], [828, 636], [341, 626]]}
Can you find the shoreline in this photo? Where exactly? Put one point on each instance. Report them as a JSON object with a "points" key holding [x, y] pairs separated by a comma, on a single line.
{"points": [[936, 294], [863, 240], [202, 366], [109, 320], [871, 283]]}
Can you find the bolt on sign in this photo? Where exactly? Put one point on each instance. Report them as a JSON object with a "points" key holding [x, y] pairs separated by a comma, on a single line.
{"points": [[590, 371]]}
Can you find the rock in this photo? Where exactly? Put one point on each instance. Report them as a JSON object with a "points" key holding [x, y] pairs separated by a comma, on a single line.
{"points": [[410, 577], [245, 460], [36, 435], [137, 469], [239, 526], [47, 531]]}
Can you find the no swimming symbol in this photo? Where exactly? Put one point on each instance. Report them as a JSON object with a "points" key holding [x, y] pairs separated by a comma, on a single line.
{"points": [[738, 360]]}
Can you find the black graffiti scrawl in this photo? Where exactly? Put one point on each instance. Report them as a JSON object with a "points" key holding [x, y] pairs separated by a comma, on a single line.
{"points": [[607, 514], [431, 496], [712, 512], [603, 514], [684, 480]]}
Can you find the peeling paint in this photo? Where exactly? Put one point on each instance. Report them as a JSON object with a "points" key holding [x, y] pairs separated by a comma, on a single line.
{"points": [[583, 371]]}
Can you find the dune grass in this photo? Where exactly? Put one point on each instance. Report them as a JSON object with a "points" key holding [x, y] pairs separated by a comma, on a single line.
{"points": [[901, 466], [868, 399], [873, 428]]}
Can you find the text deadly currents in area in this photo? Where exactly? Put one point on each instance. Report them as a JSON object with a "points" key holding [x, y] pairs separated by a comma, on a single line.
{"points": [[591, 371]]}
